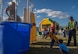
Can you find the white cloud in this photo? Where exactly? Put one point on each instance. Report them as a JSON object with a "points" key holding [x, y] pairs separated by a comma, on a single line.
{"points": [[38, 16], [22, 18], [73, 6], [42, 10], [52, 13], [13, 1], [30, 8], [9, 3]]}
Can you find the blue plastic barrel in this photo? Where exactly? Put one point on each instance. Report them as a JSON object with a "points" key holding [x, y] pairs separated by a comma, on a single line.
{"points": [[1, 38], [16, 37]]}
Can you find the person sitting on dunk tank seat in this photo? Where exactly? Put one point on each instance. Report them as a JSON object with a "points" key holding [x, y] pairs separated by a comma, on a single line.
{"points": [[11, 12]]}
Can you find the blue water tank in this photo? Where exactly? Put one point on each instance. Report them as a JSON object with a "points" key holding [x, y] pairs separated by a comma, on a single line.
{"points": [[1, 39], [16, 37]]}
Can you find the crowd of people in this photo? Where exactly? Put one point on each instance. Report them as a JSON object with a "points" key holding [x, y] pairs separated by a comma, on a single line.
{"points": [[69, 31]]}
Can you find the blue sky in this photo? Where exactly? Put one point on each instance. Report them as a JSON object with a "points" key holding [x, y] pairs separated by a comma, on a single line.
{"points": [[58, 10]]}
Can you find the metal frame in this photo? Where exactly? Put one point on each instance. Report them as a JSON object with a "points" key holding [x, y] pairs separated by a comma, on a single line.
{"points": [[29, 10], [1, 10]]}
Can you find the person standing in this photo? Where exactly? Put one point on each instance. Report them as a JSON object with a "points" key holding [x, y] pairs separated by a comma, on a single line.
{"points": [[53, 35], [45, 33], [11, 12], [72, 31], [64, 32]]}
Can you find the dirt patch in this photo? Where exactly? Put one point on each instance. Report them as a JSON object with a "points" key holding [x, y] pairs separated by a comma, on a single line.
{"points": [[48, 51]]}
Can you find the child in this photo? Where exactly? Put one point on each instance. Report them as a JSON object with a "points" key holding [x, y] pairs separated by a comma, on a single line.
{"points": [[63, 49], [53, 39], [53, 35], [45, 33]]}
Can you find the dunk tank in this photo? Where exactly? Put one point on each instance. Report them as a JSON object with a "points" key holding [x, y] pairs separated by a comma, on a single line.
{"points": [[15, 27]]}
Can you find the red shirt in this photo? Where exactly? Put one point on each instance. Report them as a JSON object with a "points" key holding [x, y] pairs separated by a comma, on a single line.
{"points": [[53, 27]]}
